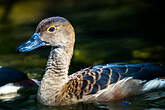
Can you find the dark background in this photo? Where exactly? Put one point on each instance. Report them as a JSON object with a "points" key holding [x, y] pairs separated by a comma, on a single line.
{"points": [[107, 31]]}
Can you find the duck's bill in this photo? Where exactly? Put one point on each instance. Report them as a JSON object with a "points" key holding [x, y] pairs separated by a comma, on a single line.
{"points": [[33, 43]]}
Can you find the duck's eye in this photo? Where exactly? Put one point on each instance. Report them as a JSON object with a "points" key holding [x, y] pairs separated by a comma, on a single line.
{"points": [[51, 29]]}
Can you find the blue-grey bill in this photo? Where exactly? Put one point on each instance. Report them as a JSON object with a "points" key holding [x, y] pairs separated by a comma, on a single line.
{"points": [[33, 43]]}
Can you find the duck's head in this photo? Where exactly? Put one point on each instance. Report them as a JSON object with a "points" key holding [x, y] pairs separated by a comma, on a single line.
{"points": [[54, 31]]}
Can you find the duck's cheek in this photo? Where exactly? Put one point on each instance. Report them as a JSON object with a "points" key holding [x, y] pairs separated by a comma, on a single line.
{"points": [[33, 43]]}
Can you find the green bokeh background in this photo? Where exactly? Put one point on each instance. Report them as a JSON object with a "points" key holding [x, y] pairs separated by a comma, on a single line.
{"points": [[107, 31]]}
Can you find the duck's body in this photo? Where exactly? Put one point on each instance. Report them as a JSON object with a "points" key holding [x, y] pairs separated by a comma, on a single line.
{"points": [[12, 80], [97, 83], [115, 81]]}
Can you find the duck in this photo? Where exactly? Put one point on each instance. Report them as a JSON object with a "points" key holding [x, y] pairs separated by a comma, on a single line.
{"points": [[12, 81], [98, 83]]}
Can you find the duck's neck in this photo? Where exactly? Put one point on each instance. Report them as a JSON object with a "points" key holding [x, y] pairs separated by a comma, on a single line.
{"points": [[58, 64], [56, 74]]}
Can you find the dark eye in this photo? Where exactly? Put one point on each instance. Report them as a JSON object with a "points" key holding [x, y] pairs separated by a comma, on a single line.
{"points": [[51, 29]]}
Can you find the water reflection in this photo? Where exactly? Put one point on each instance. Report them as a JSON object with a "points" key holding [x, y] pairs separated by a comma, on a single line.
{"points": [[152, 100]]}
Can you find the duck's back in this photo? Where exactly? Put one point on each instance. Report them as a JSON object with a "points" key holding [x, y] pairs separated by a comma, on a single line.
{"points": [[91, 81], [10, 75]]}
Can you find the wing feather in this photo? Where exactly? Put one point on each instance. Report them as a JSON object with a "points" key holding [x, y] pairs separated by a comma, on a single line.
{"points": [[90, 80]]}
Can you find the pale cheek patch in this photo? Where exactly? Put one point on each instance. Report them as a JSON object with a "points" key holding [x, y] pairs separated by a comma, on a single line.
{"points": [[154, 84]]}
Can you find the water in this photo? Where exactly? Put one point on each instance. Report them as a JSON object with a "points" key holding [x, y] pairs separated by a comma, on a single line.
{"points": [[106, 32], [150, 101]]}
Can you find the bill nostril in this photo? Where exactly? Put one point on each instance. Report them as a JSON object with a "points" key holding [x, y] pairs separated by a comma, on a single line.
{"points": [[32, 39]]}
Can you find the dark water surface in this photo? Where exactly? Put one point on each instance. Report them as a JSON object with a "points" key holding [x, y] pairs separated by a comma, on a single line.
{"points": [[149, 101], [106, 32]]}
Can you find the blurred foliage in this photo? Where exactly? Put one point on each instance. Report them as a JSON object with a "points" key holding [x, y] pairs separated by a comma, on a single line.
{"points": [[106, 31]]}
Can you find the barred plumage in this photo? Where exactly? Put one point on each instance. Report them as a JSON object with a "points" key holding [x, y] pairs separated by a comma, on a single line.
{"points": [[90, 80]]}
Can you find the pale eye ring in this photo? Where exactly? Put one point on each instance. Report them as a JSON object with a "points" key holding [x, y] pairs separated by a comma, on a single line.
{"points": [[51, 29]]}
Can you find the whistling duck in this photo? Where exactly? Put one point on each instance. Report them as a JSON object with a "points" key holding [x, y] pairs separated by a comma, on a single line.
{"points": [[98, 83], [12, 80]]}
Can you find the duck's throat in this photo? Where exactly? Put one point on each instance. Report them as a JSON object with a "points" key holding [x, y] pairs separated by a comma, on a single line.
{"points": [[56, 75], [58, 62], [57, 65]]}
